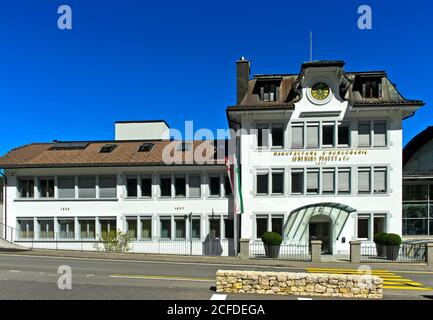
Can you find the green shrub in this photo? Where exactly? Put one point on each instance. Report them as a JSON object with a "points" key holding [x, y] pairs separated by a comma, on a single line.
{"points": [[114, 241], [379, 237], [272, 238], [392, 239]]}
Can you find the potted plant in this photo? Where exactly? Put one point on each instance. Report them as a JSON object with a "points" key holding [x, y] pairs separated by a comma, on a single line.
{"points": [[272, 242], [380, 247], [392, 242]]}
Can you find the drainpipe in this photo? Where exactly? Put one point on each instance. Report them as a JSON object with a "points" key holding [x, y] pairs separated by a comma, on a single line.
{"points": [[5, 201]]}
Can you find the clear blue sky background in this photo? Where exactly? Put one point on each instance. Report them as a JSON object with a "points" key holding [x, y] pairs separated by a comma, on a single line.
{"points": [[175, 60]]}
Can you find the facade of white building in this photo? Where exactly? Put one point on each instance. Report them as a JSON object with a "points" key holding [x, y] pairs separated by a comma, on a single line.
{"points": [[320, 157]]}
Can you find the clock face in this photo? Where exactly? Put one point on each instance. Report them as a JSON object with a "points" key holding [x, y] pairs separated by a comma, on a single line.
{"points": [[320, 91]]}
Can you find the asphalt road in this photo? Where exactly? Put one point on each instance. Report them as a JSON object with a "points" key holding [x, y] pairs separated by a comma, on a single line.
{"points": [[32, 277]]}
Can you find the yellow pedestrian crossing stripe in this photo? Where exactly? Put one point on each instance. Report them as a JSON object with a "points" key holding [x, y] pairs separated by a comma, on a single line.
{"points": [[391, 280]]}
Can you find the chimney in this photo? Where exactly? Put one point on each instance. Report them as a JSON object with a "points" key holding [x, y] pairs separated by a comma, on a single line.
{"points": [[242, 77]]}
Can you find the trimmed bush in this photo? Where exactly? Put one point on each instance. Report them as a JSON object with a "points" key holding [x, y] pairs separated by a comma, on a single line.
{"points": [[392, 239], [379, 237], [272, 238]]}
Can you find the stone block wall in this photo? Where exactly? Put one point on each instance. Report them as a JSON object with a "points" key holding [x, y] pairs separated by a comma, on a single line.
{"points": [[300, 284]]}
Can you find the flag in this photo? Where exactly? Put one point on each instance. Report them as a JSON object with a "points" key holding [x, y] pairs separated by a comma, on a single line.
{"points": [[234, 175]]}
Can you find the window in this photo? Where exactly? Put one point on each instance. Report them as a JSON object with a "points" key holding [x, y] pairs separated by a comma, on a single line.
{"points": [[371, 88], [107, 226], [297, 136], [67, 228], [277, 225], [363, 134], [379, 180], [146, 186], [165, 228], [297, 181], [416, 192], [131, 227], [26, 187], [343, 134], [165, 185], [327, 134], [379, 133], [180, 186], [262, 135], [146, 228], [269, 92], [363, 227], [277, 181], [46, 187], [364, 180], [145, 147], [25, 228], [66, 187], [313, 135], [227, 187], [184, 146], [107, 187], [418, 209], [215, 186], [228, 228], [262, 182], [194, 186], [379, 224], [46, 228], [87, 228], [214, 228], [195, 228], [313, 182], [277, 135], [131, 187], [108, 148], [180, 229], [343, 181], [86, 187], [261, 226], [328, 186]]}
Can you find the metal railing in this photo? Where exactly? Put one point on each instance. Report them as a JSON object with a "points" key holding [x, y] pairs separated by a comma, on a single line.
{"points": [[407, 252], [7, 233], [287, 251]]}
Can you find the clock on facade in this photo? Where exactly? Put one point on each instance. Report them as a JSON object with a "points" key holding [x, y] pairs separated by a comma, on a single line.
{"points": [[320, 91]]}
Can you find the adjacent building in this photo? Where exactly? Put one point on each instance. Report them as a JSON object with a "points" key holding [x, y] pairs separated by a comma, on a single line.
{"points": [[319, 153], [418, 186]]}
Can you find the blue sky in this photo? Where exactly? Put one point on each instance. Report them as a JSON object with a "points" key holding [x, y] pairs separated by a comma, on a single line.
{"points": [[175, 60]]}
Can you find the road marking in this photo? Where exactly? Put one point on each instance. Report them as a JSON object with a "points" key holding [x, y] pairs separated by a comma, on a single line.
{"points": [[218, 297], [15, 271], [90, 275], [305, 298], [390, 279], [150, 277]]}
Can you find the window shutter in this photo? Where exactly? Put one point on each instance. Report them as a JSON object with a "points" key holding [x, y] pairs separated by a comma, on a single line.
{"points": [[380, 134], [344, 181], [363, 135], [312, 136], [107, 187], [86, 187], [364, 181], [312, 180], [328, 182], [380, 180], [297, 137], [66, 187], [194, 186]]}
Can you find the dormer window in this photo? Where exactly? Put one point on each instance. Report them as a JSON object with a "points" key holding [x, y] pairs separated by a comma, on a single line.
{"points": [[108, 148], [145, 147], [269, 92], [369, 88], [184, 146]]}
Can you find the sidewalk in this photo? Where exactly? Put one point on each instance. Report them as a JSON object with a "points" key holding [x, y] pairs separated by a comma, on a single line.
{"points": [[220, 260]]}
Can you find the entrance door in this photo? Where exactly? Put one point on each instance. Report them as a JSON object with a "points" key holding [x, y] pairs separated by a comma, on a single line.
{"points": [[320, 231]]}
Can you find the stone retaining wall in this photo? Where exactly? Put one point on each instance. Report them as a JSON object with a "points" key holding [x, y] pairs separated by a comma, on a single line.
{"points": [[300, 284]]}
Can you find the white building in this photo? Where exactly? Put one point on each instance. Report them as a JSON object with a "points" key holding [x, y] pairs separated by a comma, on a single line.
{"points": [[320, 158]]}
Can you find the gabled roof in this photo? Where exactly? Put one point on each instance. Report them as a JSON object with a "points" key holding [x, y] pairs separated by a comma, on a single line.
{"points": [[40, 155]]}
